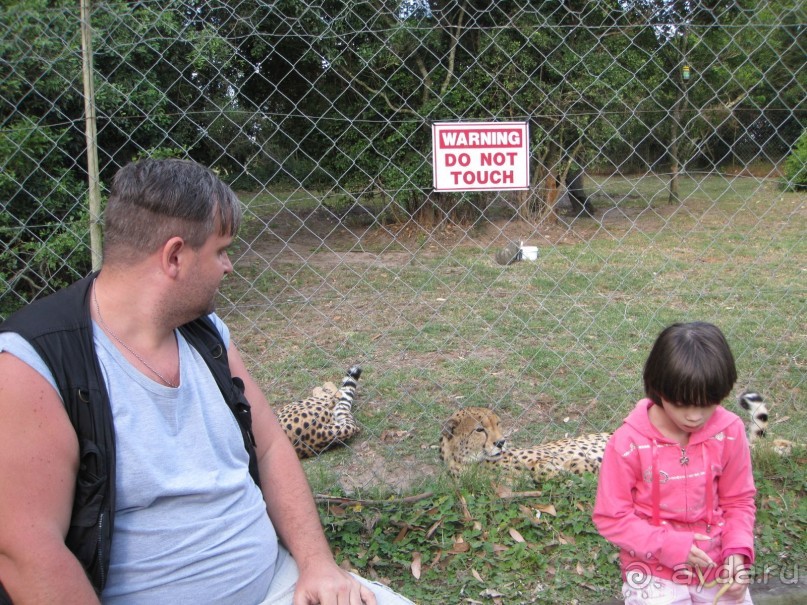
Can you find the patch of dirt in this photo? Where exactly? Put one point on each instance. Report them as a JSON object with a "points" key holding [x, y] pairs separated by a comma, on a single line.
{"points": [[324, 241], [369, 466]]}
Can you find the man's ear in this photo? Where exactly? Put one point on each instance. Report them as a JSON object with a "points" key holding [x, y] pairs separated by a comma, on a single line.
{"points": [[172, 256]]}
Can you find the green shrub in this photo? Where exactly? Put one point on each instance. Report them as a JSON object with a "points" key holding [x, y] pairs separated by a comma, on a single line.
{"points": [[796, 165]]}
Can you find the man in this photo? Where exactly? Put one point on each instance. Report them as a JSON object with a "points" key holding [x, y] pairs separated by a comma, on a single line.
{"points": [[188, 521]]}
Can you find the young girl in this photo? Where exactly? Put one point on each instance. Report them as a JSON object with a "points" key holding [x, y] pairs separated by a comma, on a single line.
{"points": [[675, 492]]}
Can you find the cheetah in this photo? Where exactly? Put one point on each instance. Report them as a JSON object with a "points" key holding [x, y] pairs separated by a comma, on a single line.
{"points": [[474, 435], [323, 420]]}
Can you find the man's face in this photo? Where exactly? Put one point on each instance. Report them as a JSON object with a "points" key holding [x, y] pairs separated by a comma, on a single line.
{"points": [[209, 265]]}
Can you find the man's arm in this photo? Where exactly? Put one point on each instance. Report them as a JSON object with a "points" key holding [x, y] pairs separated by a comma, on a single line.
{"points": [[291, 505], [38, 464]]}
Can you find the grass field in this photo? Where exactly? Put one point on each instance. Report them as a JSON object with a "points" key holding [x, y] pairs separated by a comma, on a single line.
{"points": [[556, 346]]}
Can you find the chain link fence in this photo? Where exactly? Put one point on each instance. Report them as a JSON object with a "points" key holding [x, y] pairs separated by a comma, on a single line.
{"points": [[664, 185]]}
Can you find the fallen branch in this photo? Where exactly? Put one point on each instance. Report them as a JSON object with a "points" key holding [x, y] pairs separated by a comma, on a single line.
{"points": [[326, 499], [505, 493]]}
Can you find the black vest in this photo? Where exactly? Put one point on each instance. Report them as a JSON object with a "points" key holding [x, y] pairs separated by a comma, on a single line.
{"points": [[59, 328]]}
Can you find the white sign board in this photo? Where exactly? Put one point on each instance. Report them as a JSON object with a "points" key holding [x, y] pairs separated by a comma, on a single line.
{"points": [[480, 156]]}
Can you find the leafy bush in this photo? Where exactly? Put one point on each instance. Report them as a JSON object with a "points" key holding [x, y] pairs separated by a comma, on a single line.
{"points": [[39, 262], [43, 227], [796, 165]]}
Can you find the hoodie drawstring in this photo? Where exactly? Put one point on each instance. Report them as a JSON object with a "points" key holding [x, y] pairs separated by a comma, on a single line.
{"points": [[656, 519], [710, 497]]}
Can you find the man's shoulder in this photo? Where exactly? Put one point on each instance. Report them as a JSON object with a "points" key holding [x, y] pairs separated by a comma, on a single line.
{"points": [[14, 345], [221, 326], [205, 328]]}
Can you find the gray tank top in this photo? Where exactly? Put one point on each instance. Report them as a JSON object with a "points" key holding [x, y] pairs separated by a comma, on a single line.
{"points": [[190, 523]]}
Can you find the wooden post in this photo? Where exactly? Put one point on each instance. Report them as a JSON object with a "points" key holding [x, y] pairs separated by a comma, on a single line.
{"points": [[93, 179], [678, 131]]}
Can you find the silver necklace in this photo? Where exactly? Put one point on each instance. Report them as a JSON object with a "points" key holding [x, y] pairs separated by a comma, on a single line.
{"points": [[124, 345]]}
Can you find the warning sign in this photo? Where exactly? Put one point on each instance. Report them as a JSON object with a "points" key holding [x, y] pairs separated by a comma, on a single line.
{"points": [[480, 156]]}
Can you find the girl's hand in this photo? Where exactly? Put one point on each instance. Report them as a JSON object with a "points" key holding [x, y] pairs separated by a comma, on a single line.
{"points": [[697, 557], [737, 569]]}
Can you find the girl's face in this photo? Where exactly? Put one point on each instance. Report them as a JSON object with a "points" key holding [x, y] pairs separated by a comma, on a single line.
{"points": [[688, 418]]}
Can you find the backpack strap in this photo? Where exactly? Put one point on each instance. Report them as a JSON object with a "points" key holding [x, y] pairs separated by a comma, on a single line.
{"points": [[205, 338], [60, 330]]}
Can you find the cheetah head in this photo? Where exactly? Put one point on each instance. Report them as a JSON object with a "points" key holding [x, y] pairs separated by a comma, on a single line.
{"points": [[471, 435]]}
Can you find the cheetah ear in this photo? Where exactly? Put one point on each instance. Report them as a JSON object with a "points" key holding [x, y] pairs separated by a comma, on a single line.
{"points": [[448, 428]]}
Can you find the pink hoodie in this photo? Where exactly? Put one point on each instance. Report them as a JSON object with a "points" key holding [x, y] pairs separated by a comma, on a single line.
{"points": [[652, 496]]}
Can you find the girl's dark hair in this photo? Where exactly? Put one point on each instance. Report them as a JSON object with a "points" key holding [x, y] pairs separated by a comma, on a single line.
{"points": [[690, 364]]}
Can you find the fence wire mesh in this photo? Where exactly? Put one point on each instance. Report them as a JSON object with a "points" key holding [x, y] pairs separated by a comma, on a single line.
{"points": [[665, 174]]}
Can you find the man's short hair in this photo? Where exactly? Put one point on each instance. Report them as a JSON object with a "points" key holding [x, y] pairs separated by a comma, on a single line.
{"points": [[153, 200]]}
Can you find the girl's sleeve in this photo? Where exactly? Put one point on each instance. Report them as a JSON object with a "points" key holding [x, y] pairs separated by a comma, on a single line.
{"points": [[735, 495], [617, 521]]}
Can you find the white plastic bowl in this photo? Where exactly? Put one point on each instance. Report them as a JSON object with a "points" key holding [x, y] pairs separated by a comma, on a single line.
{"points": [[529, 252]]}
